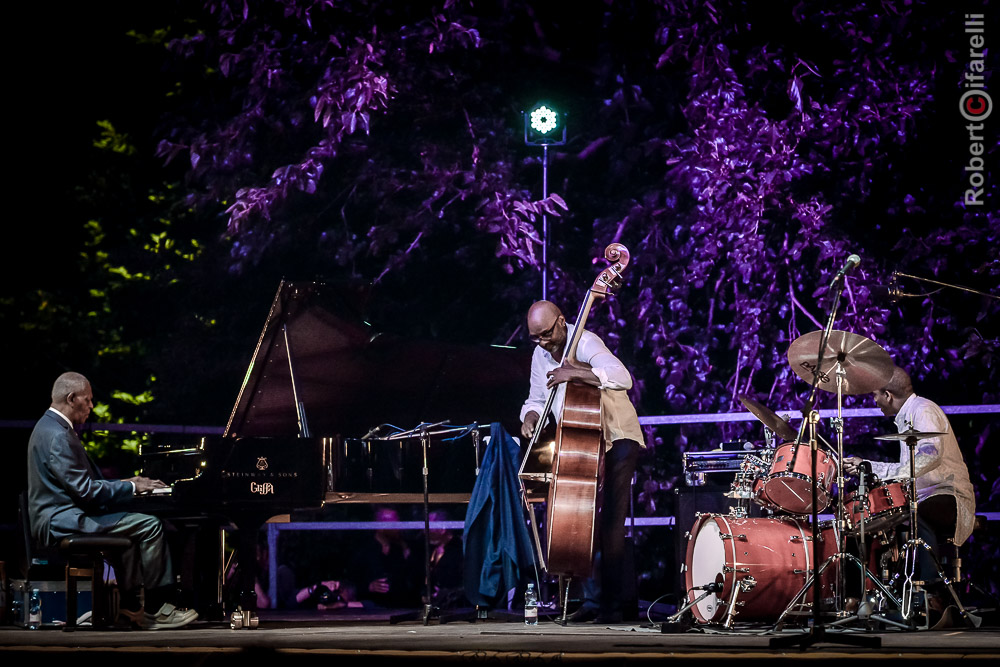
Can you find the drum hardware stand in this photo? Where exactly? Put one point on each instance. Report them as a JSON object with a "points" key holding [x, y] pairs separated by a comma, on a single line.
{"points": [[910, 557], [671, 624], [744, 585], [817, 632]]}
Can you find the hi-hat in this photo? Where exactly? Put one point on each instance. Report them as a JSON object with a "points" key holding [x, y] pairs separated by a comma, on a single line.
{"points": [[769, 419], [867, 367], [909, 433]]}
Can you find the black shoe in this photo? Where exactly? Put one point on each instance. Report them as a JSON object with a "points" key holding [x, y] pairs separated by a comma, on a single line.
{"points": [[584, 614], [609, 618]]}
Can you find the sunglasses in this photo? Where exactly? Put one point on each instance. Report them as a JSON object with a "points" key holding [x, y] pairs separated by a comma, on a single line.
{"points": [[547, 334]]}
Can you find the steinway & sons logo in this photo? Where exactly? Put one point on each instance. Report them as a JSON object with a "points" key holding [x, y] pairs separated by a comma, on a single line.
{"points": [[262, 481]]}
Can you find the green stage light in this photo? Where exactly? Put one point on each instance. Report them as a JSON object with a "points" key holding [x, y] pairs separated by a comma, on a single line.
{"points": [[544, 120], [544, 125]]}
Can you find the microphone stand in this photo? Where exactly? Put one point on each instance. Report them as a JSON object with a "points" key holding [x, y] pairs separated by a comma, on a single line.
{"points": [[895, 292], [817, 632]]}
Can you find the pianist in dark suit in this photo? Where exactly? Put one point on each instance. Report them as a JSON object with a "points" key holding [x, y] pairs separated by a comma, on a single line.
{"points": [[68, 495]]}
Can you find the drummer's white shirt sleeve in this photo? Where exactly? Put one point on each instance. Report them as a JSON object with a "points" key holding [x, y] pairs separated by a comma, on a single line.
{"points": [[928, 450], [939, 465]]}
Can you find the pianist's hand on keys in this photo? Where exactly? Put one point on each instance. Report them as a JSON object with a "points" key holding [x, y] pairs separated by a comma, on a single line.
{"points": [[145, 485]]}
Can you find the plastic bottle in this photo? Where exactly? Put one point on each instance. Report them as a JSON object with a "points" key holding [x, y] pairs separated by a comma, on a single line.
{"points": [[530, 606], [35, 610]]}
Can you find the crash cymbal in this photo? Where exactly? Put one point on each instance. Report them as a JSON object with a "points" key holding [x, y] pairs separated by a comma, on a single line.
{"points": [[867, 367], [769, 419], [909, 433]]}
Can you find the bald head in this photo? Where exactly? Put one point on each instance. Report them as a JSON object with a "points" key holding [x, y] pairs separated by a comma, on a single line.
{"points": [[547, 327], [72, 396], [899, 384], [541, 316], [66, 384], [891, 397]]}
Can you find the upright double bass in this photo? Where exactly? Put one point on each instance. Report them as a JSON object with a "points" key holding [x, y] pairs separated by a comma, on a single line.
{"points": [[574, 481]]}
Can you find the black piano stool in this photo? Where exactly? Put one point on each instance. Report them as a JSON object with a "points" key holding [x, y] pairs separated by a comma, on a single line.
{"points": [[85, 556]]}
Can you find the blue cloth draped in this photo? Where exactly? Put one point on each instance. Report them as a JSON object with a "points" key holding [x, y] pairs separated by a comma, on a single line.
{"points": [[498, 548]]}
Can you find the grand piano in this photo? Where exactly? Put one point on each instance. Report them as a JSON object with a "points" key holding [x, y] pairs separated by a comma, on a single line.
{"points": [[321, 389]]}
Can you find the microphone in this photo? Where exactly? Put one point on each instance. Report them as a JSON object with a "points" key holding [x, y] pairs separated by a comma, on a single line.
{"points": [[864, 474], [714, 587], [851, 262]]}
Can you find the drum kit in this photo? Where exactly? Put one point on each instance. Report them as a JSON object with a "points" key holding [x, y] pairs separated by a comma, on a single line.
{"points": [[763, 569]]}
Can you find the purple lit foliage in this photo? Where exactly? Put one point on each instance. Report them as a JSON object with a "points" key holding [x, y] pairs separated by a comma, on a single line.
{"points": [[740, 150], [302, 92]]}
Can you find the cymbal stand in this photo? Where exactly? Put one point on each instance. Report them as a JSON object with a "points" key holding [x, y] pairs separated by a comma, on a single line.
{"points": [[911, 556], [817, 632], [841, 520], [841, 517], [864, 612]]}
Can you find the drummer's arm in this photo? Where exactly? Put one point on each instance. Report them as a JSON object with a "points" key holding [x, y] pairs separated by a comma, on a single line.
{"points": [[928, 451], [879, 469], [888, 470]]}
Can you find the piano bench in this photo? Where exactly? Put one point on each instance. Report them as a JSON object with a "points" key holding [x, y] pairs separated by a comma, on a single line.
{"points": [[85, 555]]}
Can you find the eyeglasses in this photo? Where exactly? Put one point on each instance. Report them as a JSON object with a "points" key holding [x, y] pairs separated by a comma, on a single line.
{"points": [[547, 334]]}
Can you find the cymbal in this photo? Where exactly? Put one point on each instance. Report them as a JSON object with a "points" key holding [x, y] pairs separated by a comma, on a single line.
{"points": [[867, 367], [909, 433], [769, 419]]}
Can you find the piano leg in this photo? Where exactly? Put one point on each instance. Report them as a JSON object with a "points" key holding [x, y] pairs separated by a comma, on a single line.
{"points": [[245, 613], [198, 551]]}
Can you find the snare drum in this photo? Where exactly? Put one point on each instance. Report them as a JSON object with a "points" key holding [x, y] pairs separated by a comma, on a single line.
{"points": [[760, 563], [789, 484], [886, 507]]}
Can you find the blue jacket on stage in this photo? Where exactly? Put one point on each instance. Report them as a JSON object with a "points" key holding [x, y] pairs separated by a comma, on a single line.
{"points": [[498, 550]]}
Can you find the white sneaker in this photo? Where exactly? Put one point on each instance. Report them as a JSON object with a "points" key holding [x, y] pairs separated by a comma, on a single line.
{"points": [[168, 617]]}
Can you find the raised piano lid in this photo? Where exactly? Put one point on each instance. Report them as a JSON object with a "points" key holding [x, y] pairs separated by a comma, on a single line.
{"points": [[350, 378]]}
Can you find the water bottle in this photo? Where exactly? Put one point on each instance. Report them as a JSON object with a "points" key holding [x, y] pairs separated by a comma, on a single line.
{"points": [[530, 606], [35, 610]]}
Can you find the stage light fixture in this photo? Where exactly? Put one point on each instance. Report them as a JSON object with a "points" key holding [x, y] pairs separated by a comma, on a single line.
{"points": [[544, 120], [544, 125]]}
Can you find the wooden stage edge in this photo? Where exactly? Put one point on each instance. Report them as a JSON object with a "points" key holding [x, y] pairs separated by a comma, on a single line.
{"points": [[375, 639]]}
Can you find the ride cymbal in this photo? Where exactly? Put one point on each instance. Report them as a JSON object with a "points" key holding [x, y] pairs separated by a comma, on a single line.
{"points": [[769, 419], [909, 433], [867, 367]]}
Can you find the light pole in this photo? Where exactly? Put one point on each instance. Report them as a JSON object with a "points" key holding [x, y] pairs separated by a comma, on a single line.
{"points": [[544, 126]]}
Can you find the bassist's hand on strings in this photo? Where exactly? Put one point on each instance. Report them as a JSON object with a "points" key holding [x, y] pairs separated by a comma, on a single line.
{"points": [[566, 373], [528, 426]]}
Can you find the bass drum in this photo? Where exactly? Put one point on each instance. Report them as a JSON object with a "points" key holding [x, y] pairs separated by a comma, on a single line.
{"points": [[761, 564]]}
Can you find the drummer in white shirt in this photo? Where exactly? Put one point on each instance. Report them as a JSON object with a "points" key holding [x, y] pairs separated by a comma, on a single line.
{"points": [[946, 504]]}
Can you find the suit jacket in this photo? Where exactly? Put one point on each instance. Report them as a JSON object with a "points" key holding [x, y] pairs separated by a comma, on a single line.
{"points": [[67, 495]]}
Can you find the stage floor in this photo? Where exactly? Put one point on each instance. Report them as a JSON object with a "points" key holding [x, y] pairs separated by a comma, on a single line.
{"points": [[354, 638]]}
